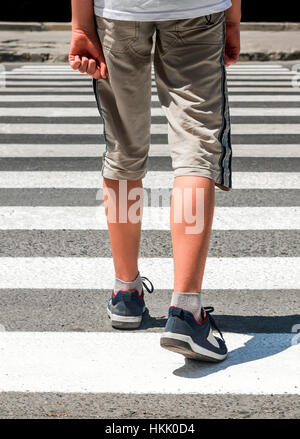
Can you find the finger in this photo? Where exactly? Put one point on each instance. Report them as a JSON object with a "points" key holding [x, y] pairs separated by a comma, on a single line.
{"points": [[103, 69], [84, 64], [102, 65], [231, 57], [234, 58], [97, 74], [91, 68], [226, 60], [231, 61], [100, 74], [75, 62]]}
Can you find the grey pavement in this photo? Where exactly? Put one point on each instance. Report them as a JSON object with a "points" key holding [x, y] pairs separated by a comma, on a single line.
{"points": [[240, 311], [53, 310], [118, 406]]}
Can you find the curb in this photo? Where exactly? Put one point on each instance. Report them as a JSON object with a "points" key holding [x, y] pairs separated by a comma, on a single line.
{"points": [[33, 57], [270, 27], [36, 27], [50, 26]]}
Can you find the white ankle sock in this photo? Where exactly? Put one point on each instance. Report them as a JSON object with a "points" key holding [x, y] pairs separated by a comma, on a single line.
{"points": [[188, 301], [135, 284]]}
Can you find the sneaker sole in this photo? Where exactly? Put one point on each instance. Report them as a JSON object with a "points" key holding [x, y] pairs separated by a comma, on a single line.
{"points": [[184, 345], [124, 322]]}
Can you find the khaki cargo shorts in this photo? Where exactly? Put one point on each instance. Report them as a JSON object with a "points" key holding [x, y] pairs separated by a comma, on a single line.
{"points": [[191, 84]]}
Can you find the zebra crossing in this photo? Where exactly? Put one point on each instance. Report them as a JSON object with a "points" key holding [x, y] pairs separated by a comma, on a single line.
{"points": [[56, 271]]}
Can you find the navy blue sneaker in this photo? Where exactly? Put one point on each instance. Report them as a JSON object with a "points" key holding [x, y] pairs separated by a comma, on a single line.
{"points": [[126, 308], [185, 335]]}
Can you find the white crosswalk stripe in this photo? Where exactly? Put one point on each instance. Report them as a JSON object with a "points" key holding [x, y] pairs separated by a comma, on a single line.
{"points": [[90, 98], [35, 128], [40, 107], [154, 218], [96, 273], [80, 82], [92, 112], [156, 150], [67, 357], [75, 88]]}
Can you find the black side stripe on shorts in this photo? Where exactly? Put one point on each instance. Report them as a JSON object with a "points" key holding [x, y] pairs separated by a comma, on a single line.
{"points": [[95, 88], [225, 132]]}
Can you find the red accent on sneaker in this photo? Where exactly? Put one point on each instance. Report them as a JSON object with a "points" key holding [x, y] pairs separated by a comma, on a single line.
{"points": [[130, 291], [204, 315]]}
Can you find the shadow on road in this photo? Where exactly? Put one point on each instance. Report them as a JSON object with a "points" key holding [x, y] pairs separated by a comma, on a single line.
{"points": [[269, 335], [279, 338]]}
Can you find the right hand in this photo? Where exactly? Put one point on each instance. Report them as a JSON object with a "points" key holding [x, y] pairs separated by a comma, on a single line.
{"points": [[232, 44], [86, 54]]}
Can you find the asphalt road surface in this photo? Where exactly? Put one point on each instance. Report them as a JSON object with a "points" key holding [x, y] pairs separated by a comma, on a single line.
{"points": [[59, 355]]}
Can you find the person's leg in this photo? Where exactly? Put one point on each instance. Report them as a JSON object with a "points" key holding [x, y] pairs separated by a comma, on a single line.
{"points": [[124, 218], [190, 249], [191, 83], [124, 103], [193, 96], [189, 329], [124, 234], [193, 204]]}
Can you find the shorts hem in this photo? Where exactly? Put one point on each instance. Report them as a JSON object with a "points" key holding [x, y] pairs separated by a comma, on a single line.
{"points": [[223, 187], [204, 173], [119, 175]]}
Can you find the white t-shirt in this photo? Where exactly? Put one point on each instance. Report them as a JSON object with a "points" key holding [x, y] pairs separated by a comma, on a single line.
{"points": [[158, 10]]}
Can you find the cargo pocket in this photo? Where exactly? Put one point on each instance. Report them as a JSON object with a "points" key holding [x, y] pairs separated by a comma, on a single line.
{"points": [[207, 29], [116, 35]]}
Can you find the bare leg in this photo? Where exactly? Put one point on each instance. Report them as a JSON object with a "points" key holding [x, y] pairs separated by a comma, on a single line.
{"points": [[124, 236], [190, 250], [182, 333]]}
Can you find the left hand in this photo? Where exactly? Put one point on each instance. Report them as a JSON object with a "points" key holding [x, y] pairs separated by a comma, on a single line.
{"points": [[232, 44]]}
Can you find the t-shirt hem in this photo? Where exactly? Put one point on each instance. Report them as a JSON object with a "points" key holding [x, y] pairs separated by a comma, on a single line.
{"points": [[153, 16]]}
